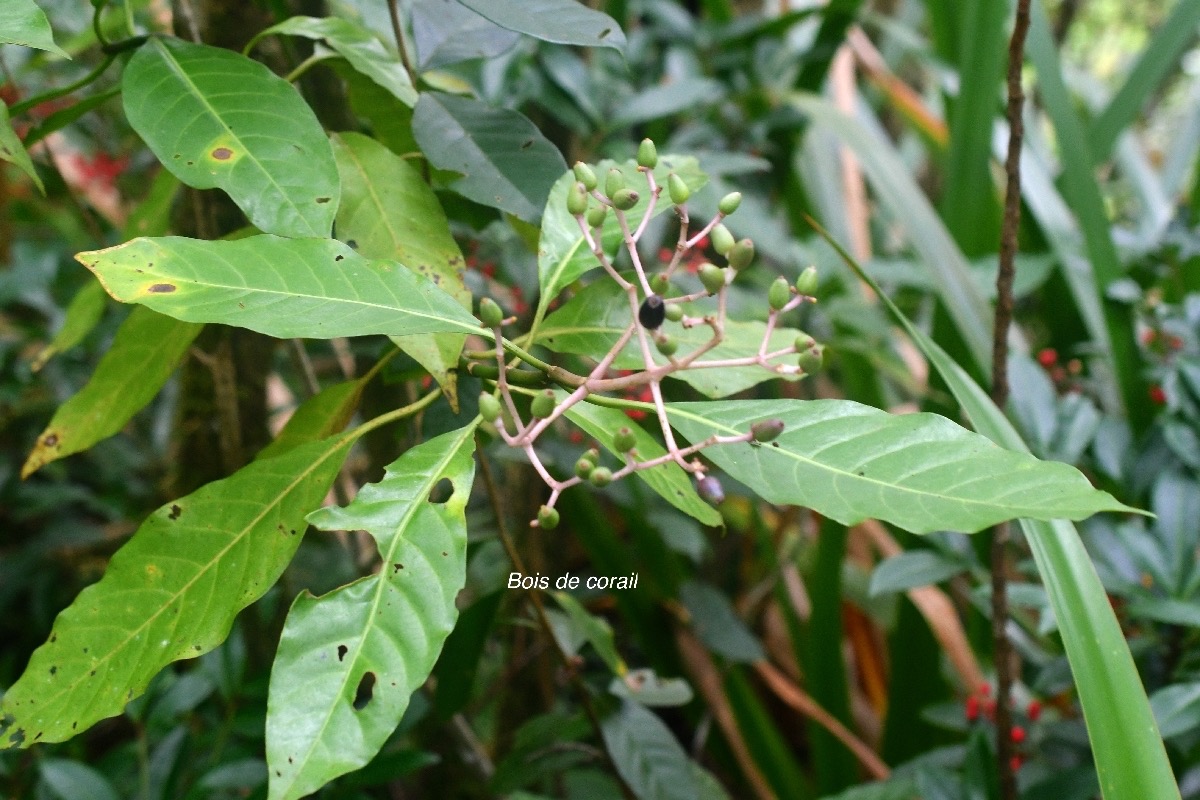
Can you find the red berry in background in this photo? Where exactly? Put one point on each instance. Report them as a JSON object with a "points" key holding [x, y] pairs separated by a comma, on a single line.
{"points": [[1017, 733], [1047, 357], [989, 708], [1157, 395], [1034, 710], [1148, 336], [985, 689], [1015, 763], [972, 708], [1174, 343]]}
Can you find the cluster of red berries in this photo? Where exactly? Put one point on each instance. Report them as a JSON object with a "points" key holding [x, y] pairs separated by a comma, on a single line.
{"points": [[1064, 375], [981, 704]]}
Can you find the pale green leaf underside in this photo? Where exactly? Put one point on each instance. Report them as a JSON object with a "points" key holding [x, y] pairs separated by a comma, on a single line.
{"points": [[146, 350], [170, 593], [309, 288], [23, 23], [559, 21], [13, 150], [647, 755], [669, 480], [321, 723], [217, 119], [922, 472]]}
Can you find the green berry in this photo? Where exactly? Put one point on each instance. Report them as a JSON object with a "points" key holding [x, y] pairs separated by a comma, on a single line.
{"points": [[779, 293], [678, 190], [592, 455], [766, 430], [803, 342], [729, 203], [624, 199], [584, 467], [810, 360], [624, 440], [585, 175], [577, 199], [614, 182], [489, 407], [722, 239], [674, 312], [543, 405], [806, 284], [600, 477], [596, 215], [647, 155], [547, 518], [741, 255], [713, 278], [660, 283], [489, 313], [666, 345]]}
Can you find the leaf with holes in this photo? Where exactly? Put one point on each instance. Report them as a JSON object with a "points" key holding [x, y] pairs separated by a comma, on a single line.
{"points": [[146, 350], [309, 288], [13, 150], [558, 21], [169, 593], [22, 22], [647, 755], [355, 44], [391, 213], [922, 472], [220, 120], [505, 161], [349, 660]]}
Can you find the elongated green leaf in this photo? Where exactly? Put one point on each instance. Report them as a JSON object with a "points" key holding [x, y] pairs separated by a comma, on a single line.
{"points": [[144, 353], [22, 22], [355, 44], [669, 480], [647, 756], [684, 95], [324, 414], [563, 254], [559, 21], [505, 161], [596, 630], [219, 120], [170, 593], [84, 312], [1130, 767], [391, 213], [349, 660], [593, 320], [310, 288], [70, 779], [912, 569], [921, 472], [13, 151]]}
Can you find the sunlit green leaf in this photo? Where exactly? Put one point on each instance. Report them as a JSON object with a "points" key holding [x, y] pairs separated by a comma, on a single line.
{"points": [[13, 151], [22, 22], [325, 413], [595, 630]]}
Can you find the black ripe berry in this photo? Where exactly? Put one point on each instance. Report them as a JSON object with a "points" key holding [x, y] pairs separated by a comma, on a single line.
{"points": [[652, 313]]}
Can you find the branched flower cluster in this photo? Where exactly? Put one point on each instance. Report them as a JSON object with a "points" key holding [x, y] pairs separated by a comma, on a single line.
{"points": [[652, 306]]}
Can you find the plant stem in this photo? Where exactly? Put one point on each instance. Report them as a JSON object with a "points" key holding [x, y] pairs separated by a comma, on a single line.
{"points": [[398, 30], [1000, 391], [53, 94]]}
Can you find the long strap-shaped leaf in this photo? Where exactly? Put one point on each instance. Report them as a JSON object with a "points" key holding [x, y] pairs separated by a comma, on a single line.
{"points": [[218, 119], [309, 288], [349, 660], [852, 462], [170, 593]]}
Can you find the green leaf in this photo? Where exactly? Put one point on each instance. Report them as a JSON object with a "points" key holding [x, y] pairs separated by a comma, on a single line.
{"points": [[595, 630], [912, 569], [69, 780], [83, 314], [563, 255], [669, 480], [171, 592], [717, 625], [355, 44], [558, 21], [450, 33], [505, 161], [391, 213], [647, 756], [688, 94], [324, 414], [220, 120], [309, 288], [644, 686], [13, 151], [593, 320], [1177, 709], [349, 660], [921, 472], [23, 23], [144, 353]]}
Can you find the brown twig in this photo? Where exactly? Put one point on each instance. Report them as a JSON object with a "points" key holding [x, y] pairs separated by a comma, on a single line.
{"points": [[401, 47], [1000, 391]]}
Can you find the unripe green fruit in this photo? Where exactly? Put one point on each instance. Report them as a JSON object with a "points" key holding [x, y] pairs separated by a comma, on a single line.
{"points": [[678, 190], [625, 199], [803, 342], [666, 345], [585, 175], [547, 518], [624, 440], [810, 360], [489, 407], [766, 430], [489, 313], [729, 203], [806, 284], [543, 405], [592, 455], [722, 239], [674, 312], [614, 182], [577, 200], [779, 293], [647, 155], [660, 283], [583, 468], [596, 215], [600, 477], [741, 255], [713, 278]]}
